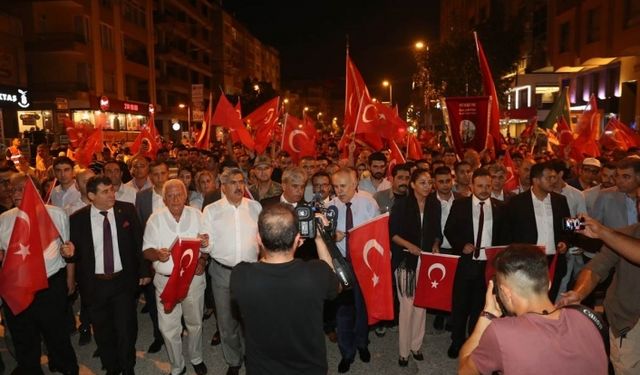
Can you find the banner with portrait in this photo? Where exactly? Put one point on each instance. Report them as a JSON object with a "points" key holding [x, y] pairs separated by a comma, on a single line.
{"points": [[469, 122]]}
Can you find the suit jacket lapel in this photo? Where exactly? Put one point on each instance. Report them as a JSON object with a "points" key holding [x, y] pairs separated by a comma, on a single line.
{"points": [[120, 219], [531, 214]]}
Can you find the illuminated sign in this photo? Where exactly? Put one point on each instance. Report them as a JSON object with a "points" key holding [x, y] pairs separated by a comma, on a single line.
{"points": [[104, 103], [130, 106], [15, 96]]}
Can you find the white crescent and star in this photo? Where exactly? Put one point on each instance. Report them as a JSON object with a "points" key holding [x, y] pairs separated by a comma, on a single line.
{"points": [[365, 119], [436, 266], [188, 252], [269, 116], [292, 136], [372, 244]]}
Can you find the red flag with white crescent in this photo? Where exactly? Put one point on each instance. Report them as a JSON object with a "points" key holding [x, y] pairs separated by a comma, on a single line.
{"points": [[434, 289], [585, 142], [370, 254], [185, 253], [263, 121], [512, 181], [23, 272], [618, 135], [490, 90], [204, 137], [414, 148], [227, 116], [299, 137]]}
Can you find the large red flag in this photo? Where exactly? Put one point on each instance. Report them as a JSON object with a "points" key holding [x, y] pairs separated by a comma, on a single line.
{"points": [[469, 122], [490, 90], [184, 253], [232, 132], [371, 259], [205, 133], [92, 146], [585, 142], [434, 287], [148, 139], [372, 118], [414, 149], [618, 135], [355, 88], [298, 137], [227, 116], [396, 156], [263, 121], [23, 272]]}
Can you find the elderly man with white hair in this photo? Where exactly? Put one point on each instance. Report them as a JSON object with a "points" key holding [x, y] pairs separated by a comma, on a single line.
{"points": [[177, 220]]}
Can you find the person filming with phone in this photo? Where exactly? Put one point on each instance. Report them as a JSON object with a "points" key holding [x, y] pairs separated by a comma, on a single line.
{"points": [[534, 336]]}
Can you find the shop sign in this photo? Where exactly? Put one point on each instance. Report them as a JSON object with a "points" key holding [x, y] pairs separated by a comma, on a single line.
{"points": [[16, 96]]}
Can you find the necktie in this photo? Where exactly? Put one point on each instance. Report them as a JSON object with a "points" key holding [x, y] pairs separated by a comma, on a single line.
{"points": [[348, 225], [107, 244], [476, 252]]}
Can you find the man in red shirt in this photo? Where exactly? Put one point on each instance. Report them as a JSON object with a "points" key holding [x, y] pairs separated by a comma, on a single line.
{"points": [[536, 338]]}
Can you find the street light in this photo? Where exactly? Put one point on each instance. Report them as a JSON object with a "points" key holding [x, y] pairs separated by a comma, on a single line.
{"points": [[419, 45], [286, 100], [388, 84]]}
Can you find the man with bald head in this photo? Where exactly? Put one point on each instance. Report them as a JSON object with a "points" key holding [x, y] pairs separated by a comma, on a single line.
{"points": [[177, 220], [354, 208]]}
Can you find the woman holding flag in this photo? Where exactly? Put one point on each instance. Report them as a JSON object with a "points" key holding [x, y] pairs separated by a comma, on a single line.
{"points": [[409, 226]]}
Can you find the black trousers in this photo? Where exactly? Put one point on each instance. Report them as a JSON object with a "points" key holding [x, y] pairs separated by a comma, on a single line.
{"points": [[467, 303], [561, 270], [46, 317], [115, 324]]}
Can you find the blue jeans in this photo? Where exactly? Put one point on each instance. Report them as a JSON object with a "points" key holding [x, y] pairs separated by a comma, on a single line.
{"points": [[351, 322]]}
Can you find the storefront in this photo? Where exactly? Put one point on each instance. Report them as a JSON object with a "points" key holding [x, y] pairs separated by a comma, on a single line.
{"points": [[12, 101], [121, 119]]}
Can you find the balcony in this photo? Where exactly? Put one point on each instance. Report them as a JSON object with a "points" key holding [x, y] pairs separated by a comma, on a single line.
{"points": [[68, 42]]}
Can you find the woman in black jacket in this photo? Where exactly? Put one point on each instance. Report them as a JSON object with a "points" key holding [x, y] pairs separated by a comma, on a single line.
{"points": [[409, 227]]}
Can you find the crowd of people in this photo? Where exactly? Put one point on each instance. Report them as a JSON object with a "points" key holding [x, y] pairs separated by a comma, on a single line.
{"points": [[119, 216]]}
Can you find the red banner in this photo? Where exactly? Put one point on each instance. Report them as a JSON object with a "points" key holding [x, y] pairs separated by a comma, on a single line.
{"points": [[434, 287], [185, 253], [469, 121], [371, 259]]}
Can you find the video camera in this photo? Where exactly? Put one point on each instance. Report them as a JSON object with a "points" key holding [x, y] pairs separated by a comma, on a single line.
{"points": [[309, 225]]}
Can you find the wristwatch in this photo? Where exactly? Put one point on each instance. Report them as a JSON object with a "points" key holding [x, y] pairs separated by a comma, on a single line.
{"points": [[488, 315]]}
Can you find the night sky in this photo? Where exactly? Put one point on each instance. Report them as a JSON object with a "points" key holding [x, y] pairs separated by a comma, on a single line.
{"points": [[311, 37]]}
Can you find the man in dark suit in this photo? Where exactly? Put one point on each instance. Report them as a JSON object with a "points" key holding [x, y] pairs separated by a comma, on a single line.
{"points": [[147, 201], [535, 217], [293, 184], [474, 223], [110, 267]]}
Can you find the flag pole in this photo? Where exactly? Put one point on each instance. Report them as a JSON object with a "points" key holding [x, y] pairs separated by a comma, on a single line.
{"points": [[284, 129]]}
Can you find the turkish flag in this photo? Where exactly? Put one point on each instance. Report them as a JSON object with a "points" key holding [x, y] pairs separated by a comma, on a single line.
{"points": [[585, 142], [204, 136], [371, 259], [396, 156], [145, 143], [263, 121], [23, 272], [512, 180], [493, 251], [435, 277], [298, 137], [185, 253], [355, 89], [490, 90], [618, 135], [227, 116], [91, 146], [414, 148]]}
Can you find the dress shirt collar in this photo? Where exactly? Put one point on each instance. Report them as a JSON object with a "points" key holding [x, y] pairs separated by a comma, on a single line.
{"points": [[476, 201], [535, 198], [95, 211], [451, 198], [284, 200]]}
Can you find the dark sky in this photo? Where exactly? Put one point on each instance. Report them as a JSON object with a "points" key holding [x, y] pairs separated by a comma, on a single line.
{"points": [[311, 37]]}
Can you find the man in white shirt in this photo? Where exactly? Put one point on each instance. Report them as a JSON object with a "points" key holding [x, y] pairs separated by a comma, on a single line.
{"points": [[231, 224], [377, 181], [163, 227], [354, 208], [124, 193], [49, 305], [140, 174], [66, 194]]}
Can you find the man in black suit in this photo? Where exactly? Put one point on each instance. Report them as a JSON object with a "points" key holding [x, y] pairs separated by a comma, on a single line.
{"points": [[293, 184], [474, 223], [147, 201], [110, 267], [535, 217]]}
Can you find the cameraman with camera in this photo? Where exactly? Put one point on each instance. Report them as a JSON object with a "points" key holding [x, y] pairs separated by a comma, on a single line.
{"points": [[281, 298], [534, 337]]}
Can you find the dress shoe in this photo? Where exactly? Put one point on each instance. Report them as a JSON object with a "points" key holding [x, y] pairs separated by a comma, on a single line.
{"points": [[155, 346], [215, 340], [233, 370], [403, 362], [332, 336], [344, 365], [365, 356], [453, 351], [417, 355], [200, 368], [380, 331], [85, 336]]}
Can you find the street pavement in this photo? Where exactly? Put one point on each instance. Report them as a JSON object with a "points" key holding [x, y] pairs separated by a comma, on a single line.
{"points": [[384, 354]]}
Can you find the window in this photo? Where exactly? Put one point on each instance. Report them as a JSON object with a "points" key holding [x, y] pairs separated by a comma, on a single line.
{"points": [[565, 33], [593, 25], [134, 13], [135, 51], [106, 36], [81, 28], [83, 71]]}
